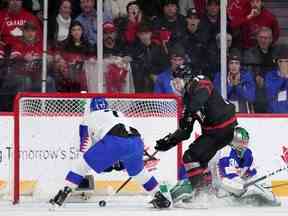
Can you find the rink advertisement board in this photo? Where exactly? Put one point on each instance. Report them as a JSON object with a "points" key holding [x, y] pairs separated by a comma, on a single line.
{"points": [[267, 137]]}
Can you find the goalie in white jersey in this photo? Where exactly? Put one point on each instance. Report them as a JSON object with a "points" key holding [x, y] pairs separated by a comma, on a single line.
{"points": [[106, 139], [235, 168]]}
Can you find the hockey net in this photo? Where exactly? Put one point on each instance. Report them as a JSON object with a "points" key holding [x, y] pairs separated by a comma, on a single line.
{"points": [[47, 142]]}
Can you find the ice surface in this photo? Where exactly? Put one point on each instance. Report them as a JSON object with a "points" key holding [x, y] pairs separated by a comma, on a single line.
{"points": [[136, 206]]}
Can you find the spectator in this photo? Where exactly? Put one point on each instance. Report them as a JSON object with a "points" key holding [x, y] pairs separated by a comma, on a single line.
{"points": [[258, 17], [259, 60], [12, 20], [148, 59], [168, 81], [88, 19], [29, 47], [185, 5], [211, 19], [35, 6], [170, 21], [195, 42], [118, 7], [277, 83], [58, 27], [151, 8], [70, 75], [117, 74], [112, 46], [214, 55], [128, 26], [25, 68], [240, 84]]}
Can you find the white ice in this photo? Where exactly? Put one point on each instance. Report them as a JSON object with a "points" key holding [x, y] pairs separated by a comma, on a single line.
{"points": [[136, 206]]}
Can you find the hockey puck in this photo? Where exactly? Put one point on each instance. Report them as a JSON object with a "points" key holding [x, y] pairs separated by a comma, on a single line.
{"points": [[102, 203]]}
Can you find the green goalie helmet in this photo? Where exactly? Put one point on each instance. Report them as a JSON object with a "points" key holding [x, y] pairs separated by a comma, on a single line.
{"points": [[240, 140]]}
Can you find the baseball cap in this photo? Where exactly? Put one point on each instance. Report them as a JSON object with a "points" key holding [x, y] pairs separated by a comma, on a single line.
{"points": [[29, 25], [109, 27], [192, 12]]}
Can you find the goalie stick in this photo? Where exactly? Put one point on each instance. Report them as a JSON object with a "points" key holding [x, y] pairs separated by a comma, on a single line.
{"points": [[265, 176], [284, 156]]}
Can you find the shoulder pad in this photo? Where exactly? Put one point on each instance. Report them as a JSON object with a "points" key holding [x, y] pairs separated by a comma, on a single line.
{"points": [[225, 152]]}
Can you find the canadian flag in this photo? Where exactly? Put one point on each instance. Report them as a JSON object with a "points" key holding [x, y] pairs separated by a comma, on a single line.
{"points": [[285, 154]]}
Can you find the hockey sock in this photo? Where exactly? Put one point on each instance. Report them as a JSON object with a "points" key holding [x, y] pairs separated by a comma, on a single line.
{"points": [[73, 179], [148, 181]]}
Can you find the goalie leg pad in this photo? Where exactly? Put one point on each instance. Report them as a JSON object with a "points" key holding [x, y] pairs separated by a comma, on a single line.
{"points": [[181, 191], [261, 195], [234, 186]]}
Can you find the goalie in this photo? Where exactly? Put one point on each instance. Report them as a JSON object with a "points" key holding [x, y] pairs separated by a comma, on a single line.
{"points": [[235, 168], [107, 137]]}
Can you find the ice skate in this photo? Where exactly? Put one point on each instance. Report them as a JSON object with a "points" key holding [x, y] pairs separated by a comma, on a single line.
{"points": [[61, 196]]}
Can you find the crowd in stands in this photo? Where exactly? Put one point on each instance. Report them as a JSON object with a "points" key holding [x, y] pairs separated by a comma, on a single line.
{"points": [[144, 44]]}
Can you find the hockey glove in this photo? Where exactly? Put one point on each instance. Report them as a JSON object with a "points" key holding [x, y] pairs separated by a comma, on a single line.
{"points": [[187, 122], [165, 143]]}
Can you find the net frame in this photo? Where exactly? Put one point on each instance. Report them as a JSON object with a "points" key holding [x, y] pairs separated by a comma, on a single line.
{"points": [[120, 96]]}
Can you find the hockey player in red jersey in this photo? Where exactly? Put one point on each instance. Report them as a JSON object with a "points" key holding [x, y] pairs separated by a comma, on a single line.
{"points": [[217, 119]]}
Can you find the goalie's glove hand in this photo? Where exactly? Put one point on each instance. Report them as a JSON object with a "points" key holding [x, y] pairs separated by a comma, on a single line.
{"points": [[118, 166], [165, 143]]}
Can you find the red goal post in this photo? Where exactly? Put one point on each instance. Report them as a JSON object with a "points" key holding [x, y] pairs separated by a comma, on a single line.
{"points": [[46, 133]]}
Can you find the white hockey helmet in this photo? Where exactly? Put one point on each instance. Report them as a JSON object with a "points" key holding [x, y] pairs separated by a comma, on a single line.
{"points": [[240, 140]]}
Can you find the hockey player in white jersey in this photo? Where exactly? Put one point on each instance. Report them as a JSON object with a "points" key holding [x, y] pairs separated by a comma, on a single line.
{"points": [[235, 167], [106, 138]]}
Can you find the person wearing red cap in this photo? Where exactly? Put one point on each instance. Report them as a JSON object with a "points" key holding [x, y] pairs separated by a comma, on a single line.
{"points": [[112, 46]]}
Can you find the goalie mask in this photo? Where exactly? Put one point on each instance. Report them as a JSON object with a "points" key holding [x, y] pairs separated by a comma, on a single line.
{"points": [[98, 103], [240, 140]]}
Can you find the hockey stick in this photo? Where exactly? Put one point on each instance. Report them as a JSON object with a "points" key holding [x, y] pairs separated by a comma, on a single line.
{"points": [[265, 176], [275, 186], [150, 157]]}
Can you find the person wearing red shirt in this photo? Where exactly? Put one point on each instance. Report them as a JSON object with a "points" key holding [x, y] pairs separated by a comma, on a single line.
{"points": [[12, 20], [250, 24], [29, 47]]}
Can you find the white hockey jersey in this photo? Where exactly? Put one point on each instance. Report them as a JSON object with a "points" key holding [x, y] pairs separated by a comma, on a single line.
{"points": [[97, 124]]}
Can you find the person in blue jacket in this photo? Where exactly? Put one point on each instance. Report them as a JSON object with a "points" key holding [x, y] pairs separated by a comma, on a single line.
{"points": [[276, 82], [240, 84], [167, 81]]}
